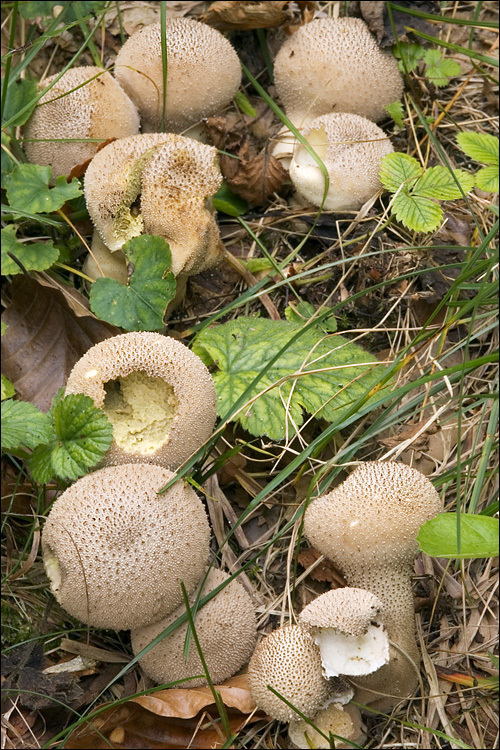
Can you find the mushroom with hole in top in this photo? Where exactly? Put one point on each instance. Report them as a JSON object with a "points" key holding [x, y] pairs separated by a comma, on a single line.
{"points": [[116, 551], [368, 526], [226, 629], [97, 108], [203, 73], [158, 395]]}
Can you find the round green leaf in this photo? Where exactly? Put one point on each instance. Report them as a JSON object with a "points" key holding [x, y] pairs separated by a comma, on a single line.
{"points": [[478, 536]]}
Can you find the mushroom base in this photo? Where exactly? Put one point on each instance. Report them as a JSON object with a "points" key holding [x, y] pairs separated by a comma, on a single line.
{"points": [[141, 409]]}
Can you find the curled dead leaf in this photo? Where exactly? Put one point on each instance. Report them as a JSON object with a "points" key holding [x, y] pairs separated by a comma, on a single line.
{"points": [[324, 571], [243, 14]]}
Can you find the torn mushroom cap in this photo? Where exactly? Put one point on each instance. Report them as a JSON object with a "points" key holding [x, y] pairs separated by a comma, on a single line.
{"points": [[116, 552], [335, 65], [203, 73], [351, 148], [157, 184], [289, 661], [158, 395], [343, 721], [98, 109], [347, 624], [226, 629]]}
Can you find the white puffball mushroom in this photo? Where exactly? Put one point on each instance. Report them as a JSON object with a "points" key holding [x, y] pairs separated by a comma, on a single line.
{"points": [[157, 184], [343, 721], [203, 73], [351, 148], [158, 395], [226, 628], [368, 526], [99, 108], [335, 65], [347, 625], [116, 551]]}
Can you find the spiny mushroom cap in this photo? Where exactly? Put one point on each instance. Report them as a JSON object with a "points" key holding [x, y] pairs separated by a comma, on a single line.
{"points": [[347, 624], [351, 148], [289, 661], [203, 73], [225, 626], [344, 721], [158, 395], [373, 517], [335, 65], [172, 177], [116, 552], [99, 109]]}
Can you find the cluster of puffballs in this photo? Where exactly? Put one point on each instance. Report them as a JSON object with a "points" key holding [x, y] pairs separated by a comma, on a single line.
{"points": [[331, 78], [116, 548]]}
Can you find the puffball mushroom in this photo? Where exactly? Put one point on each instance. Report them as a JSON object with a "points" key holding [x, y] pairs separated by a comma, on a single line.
{"points": [[351, 148], [335, 65], [290, 662], [203, 73], [157, 184], [347, 625], [116, 552], [225, 626], [368, 526], [157, 394], [98, 109], [344, 721]]}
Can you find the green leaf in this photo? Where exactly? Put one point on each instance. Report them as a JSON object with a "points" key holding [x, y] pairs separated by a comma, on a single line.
{"points": [[408, 53], [481, 147], [417, 213], [141, 305], [8, 162], [82, 435], [437, 182], [8, 389], [487, 179], [34, 9], [256, 265], [23, 425], [242, 103], [440, 69], [28, 189], [304, 311], [398, 169], [478, 536], [228, 202], [396, 111], [242, 348], [19, 94], [36, 256]]}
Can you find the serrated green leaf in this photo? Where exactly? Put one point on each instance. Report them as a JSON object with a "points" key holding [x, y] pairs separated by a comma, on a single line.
{"points": [[19, 94], [242, 348], [437, 182], [82, 435], [440, 69], [242, 102], [24, 426], [141, 305], [398, 169], [487, 179], [478, 536], [36, 256], [481, 147], [28, 189], [417, 213], [228, 202], [8, 389], [396, 111], [408, 53]]}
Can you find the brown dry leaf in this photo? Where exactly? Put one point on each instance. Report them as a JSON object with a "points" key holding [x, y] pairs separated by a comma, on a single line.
{"points": [[325, 571], [79, 169], [375, 15], [244, 14], [44, 338]]}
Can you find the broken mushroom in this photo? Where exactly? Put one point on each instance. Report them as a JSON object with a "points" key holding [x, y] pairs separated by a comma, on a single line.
{"points": [[368, 526], [97, 108], [226, 629], [341, 721], [157, 394], [203, 73], [116, 552]]}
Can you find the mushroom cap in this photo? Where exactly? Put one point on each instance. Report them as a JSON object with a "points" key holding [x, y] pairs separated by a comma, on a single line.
{"points": [[116, 552], [173, 177], [335, 65], [351, 148], [289, 661], [371, 520], [225, 626], [158, 395], [99, 109], [344, 721], [203, 73], [347, 624]]}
